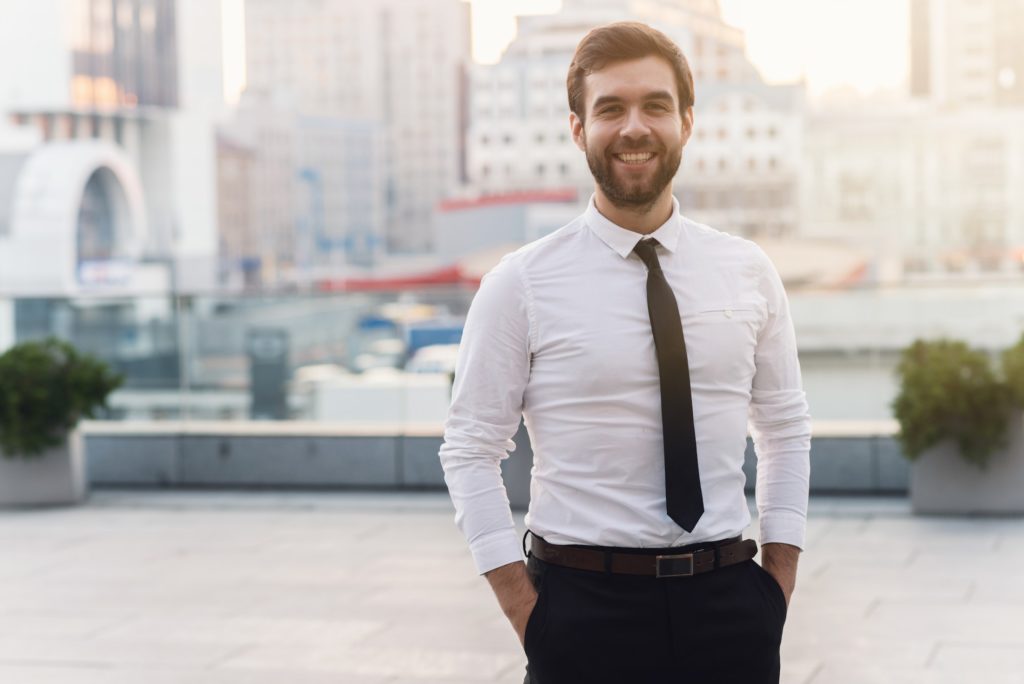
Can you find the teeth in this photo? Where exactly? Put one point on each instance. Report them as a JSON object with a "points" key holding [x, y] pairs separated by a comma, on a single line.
{"points": [[635, 158]]}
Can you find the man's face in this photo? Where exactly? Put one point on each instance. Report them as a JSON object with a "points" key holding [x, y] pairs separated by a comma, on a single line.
{"points": [[634, 132]]}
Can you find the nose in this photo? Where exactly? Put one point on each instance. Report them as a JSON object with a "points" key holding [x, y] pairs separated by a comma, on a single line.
{"points": [[634, 126]]}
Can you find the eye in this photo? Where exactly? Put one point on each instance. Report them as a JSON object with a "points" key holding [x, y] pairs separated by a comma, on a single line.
{"points": [[658, 106], [611, 109]]}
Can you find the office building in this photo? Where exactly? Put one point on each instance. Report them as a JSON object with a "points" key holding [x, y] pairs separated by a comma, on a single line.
{"points": [[967, 53], [144, 75], [398, 65], [740, 167]]}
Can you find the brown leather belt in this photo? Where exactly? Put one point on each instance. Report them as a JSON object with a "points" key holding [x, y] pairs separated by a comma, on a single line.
{"points": [[703, 559]]}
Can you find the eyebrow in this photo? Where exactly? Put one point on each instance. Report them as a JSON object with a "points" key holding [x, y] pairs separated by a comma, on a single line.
{"points": [[656, 95]]}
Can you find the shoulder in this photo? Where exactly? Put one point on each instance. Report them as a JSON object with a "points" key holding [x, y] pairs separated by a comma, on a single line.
{"points": [[725, 244], [552, 245]]}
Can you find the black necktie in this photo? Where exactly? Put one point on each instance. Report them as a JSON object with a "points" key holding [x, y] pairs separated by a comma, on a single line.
{"points": [[682, 474]]}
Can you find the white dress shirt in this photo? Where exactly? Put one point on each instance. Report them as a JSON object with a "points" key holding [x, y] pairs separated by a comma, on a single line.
{"points": [[559, 333]]}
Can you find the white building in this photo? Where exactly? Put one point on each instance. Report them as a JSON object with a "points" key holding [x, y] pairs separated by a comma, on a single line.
{"points": [[740, 168], [967, 53], [928, 193], [399, 64], [144, 75], [72, 223]]}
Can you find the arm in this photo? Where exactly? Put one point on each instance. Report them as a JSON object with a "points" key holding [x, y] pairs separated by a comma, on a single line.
{"points": [[781, 428], [515, 593], [491, 374], [781, 560]]}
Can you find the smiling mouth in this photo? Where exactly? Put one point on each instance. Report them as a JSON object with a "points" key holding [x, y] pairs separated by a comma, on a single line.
{"points": [[634, 158]]}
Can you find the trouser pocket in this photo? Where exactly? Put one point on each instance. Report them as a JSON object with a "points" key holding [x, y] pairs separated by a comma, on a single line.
{"points": [[535, 623], [772, 589]]}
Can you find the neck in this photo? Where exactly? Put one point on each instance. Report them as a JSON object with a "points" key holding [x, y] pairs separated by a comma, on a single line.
{"points": [[644, 219]]}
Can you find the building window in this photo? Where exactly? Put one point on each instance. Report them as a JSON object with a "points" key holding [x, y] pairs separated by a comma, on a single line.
{"points": [[722, 134], [752, 164], [772, 132], [539, 138], [540, 170], [751, 133], [723, 164]]}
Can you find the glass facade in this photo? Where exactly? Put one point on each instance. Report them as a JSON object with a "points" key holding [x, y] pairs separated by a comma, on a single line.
{"points": [[124, 54]]}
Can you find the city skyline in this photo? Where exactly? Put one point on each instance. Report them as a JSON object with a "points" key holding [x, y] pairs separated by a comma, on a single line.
{"points": [[828, 59]]}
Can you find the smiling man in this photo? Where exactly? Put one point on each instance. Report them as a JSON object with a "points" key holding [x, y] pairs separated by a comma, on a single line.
{"points": [[637, 344]]}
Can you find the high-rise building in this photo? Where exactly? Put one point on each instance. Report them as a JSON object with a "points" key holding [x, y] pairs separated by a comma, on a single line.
{"points": [[927, 193], [239, 251], [317, 195], [398, 65], [144, 75], [740, 168], [967, 53]]}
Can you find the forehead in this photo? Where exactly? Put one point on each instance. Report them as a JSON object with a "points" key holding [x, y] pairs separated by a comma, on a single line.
{"points": [[631, 80]]}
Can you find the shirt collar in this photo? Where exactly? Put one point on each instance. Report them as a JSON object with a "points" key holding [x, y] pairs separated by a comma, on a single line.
{"points": [[623, 240]]}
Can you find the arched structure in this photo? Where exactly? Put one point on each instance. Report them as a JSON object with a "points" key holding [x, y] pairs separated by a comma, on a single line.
{"points": [[75, 221]]}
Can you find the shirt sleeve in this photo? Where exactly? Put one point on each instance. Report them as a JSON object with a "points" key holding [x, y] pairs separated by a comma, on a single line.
{"points": [[780, 422], [491, 373]]}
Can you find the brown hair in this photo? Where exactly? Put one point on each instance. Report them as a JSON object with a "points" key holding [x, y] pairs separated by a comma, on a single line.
{"points": [[619, 42]]}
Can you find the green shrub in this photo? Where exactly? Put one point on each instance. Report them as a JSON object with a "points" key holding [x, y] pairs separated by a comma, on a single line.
{"points": [[949, 391], [45, 388], [1013, 371]]}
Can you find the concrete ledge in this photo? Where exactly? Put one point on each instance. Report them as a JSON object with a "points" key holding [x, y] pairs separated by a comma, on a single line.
{"points": [[317, 455]]}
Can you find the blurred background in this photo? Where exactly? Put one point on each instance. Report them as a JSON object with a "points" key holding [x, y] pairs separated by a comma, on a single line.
{"points": [[270, 210]]}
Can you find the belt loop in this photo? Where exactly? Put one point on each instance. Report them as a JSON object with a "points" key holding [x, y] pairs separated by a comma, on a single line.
{"points": [[608, 562], [525, 551], [718, 557]]}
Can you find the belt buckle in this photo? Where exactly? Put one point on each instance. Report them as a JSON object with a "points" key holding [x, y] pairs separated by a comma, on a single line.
{"points": [[680, 565]]}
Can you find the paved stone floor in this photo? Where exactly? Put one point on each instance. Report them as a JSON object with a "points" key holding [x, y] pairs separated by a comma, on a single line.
{"points": [[357, 588]]}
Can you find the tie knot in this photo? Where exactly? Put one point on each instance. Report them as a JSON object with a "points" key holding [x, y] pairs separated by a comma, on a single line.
{"points": [[645, 249]]}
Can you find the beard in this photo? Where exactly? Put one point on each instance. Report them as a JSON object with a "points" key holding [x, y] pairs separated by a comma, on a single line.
{"points": [[638, 194]]}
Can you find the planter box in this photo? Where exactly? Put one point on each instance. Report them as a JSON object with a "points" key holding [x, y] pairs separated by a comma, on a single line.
{"points": [[942, 482], [55, 478]]}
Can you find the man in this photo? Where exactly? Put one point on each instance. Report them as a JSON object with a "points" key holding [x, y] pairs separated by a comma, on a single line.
{"points": [[636, 343]]}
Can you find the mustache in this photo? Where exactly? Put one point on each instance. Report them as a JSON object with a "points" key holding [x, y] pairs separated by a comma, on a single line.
{"points": [[638, 147]]}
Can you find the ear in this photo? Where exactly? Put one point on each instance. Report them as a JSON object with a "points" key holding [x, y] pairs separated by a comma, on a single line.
{"points": [[687, 123], [579, 136]]}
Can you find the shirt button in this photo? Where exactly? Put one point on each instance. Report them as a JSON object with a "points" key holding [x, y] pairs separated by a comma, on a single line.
{"points": [[728, 313]]}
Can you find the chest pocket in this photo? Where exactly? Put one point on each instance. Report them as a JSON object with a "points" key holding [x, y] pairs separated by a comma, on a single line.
{"points": [[721, 339]]}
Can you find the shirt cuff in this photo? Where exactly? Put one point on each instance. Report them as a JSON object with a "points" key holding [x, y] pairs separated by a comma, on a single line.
{"points": [[496, 549], [790, 530]]}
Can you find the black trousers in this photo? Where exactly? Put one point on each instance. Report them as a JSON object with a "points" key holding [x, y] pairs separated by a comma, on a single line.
{"points": [[720, 627]]}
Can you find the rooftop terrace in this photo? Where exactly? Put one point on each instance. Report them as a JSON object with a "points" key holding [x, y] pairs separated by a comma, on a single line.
{"points": [[200, 587]]}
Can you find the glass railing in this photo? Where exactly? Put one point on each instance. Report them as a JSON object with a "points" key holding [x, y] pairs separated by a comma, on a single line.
{"points": [[388, 358], [359, 358]]}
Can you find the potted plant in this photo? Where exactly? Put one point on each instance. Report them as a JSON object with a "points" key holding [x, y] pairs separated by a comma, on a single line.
{"points": [[46, 387], [962, 427]]}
